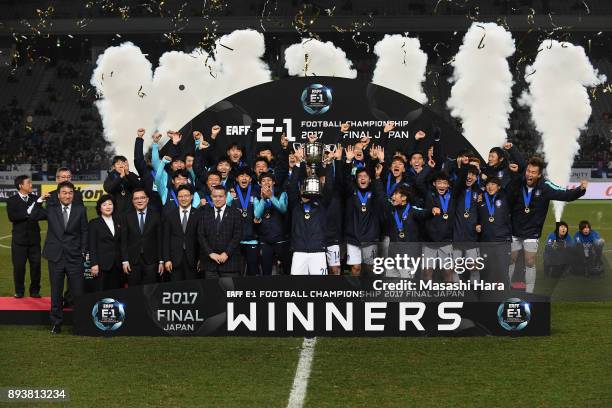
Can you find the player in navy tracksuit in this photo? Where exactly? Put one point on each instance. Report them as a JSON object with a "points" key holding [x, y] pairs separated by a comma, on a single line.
{"points": [[418, 176], [465, 236], [308, 223], [271, 225], [401, 225], [245, 192], [335, 210], [498, 164], [362, 217], [531, 195], [495, 230], [439, 228]]}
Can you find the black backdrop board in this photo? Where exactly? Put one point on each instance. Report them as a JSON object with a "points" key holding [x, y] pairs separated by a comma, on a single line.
{"points": [[278, 106], [310, 304]]}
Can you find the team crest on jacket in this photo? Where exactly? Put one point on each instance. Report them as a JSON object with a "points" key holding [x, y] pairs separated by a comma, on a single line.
{"points": [[500, 174], [537, 193], [498, 203]]}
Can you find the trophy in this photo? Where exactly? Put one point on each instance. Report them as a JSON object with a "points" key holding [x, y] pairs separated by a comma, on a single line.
{"points": [[313, 154]]}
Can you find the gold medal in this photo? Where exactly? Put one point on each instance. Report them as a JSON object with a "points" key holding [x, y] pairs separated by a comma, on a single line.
{"points": [[466, 214], [363, 208], [244, 213], [307, 216], [491, 219], [527, 210], [401, 234], [122, 192], [267, 215], [445, 216]]}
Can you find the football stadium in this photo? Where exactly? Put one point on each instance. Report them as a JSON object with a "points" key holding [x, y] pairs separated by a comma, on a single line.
{"points": [[306, 203]]}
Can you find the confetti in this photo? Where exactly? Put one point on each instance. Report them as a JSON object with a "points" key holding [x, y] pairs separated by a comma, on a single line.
{"points": [[586, 6], [531, 16]]}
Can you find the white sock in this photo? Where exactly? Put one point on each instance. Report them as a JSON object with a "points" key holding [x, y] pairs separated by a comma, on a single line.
{"points": [[530, 277], [475, 275], [511, 272]]}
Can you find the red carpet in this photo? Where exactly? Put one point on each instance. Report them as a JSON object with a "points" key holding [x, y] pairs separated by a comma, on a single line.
{"points": [[25, 303], [27, 310]]}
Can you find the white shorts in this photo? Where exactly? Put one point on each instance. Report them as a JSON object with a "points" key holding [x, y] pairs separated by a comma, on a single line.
{"points": [[333, 255], [466, 253], [308, 263], [356, 255], [529, 245], [431, 253]]}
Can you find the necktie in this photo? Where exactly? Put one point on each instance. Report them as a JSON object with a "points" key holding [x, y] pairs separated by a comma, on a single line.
{"points": [[25, 199], [218, 218], [141, 223], [184, 222], [65, 214]]}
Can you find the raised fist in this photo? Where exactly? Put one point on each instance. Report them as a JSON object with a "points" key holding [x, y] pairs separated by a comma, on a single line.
{"points": [[214, 131]]}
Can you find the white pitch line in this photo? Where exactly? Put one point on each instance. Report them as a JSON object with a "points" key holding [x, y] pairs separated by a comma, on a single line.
{"points": [[302, 373]]}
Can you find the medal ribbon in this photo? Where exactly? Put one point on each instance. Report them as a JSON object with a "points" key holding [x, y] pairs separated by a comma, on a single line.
{"points": [[468, 200], [174, 196], [390, 187], [527, 197], [244, 201], [444, 200], [490, 204], [363, 199], [398, 222]]}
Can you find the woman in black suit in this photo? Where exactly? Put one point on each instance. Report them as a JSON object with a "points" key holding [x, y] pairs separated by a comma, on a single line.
{"points": [[105, 246]]}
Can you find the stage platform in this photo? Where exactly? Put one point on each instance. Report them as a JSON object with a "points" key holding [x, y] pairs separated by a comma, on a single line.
{"points": [[28, 311]]}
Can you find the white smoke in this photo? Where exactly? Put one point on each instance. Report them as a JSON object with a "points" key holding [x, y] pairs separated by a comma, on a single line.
{"points": [[183, 85], [121, 75], [401, 66], [482, 91], [313, 57], [205, 80], [560, 105]]}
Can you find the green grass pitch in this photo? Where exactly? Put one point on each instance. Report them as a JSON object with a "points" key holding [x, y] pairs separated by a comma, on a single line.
{"points": [[571, 368]]}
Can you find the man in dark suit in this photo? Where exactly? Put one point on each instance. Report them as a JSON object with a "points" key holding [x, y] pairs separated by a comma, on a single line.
{"points": [[61, 175], [219, 234], [25, 242], [180, 248], [141, 241], [64, 248], [120, 183]]}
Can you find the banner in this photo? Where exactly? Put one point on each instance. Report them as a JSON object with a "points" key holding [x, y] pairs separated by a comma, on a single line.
{"points": [[300, 106], [91, 192], [595, 190], [309, 306]]}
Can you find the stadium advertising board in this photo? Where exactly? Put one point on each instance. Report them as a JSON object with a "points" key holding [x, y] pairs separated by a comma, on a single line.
{"points": [[91, 192]]}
